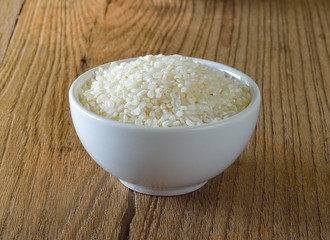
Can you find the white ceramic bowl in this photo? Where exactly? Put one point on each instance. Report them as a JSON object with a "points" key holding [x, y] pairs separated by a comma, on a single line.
{"points": [[164, 161]]}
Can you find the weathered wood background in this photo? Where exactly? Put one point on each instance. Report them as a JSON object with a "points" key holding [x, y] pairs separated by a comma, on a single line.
{"points": [[279, 188]]}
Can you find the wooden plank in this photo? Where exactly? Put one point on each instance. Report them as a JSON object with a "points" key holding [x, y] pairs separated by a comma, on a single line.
{"points": [[278, 188]]}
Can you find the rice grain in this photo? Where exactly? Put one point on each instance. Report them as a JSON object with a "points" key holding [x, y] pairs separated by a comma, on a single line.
{"points": [[164, 91]]}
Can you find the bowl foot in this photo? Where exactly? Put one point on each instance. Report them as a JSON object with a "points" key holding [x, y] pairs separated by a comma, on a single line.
{"points": [[162, 192]]}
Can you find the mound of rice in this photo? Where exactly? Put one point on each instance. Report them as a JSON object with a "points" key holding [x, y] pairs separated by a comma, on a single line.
{"points": [[164, 91]]}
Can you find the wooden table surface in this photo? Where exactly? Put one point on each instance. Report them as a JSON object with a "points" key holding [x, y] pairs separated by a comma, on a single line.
{"points": [[278, 188]]}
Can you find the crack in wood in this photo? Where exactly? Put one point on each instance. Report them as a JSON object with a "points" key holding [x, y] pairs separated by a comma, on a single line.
{"points": [[128, 216], [107, 6], [12, 32], [17, 17], [83, 61]]}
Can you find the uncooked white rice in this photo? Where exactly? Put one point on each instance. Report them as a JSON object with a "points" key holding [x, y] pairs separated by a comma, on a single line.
{"points": [[164, 91]]}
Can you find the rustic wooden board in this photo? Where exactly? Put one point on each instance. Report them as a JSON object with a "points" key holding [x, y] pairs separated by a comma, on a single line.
{"points": [[278, 188]]}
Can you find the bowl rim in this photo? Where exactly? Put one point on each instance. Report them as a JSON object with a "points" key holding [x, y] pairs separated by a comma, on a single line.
{"points": [[255, 101]]}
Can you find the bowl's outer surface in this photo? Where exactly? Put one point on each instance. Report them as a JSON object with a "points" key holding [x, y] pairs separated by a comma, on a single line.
{"points": [[164, 158]]}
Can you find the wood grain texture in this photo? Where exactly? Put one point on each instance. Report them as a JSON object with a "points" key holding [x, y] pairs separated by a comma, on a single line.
{"points": [[279, 188]]}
